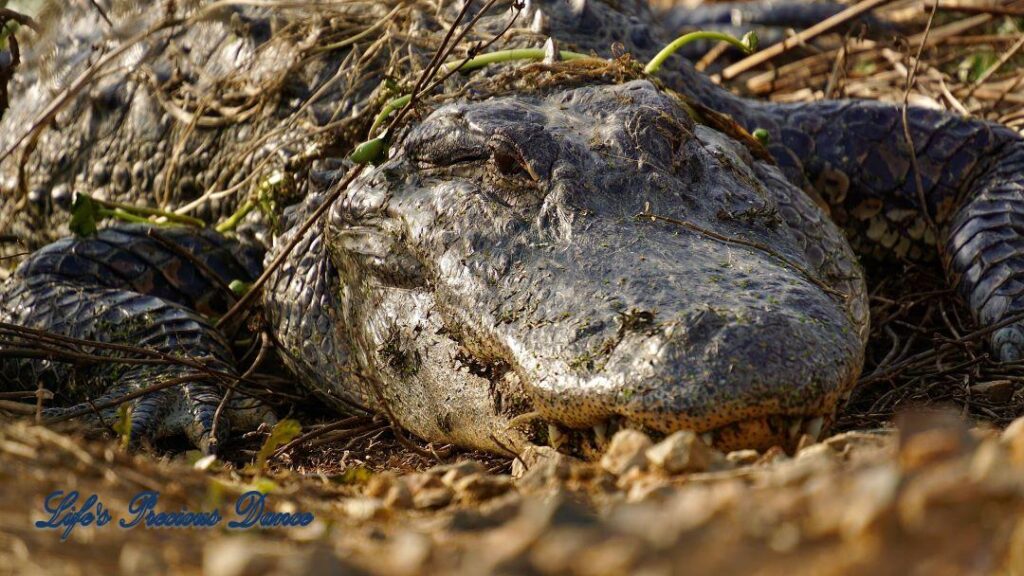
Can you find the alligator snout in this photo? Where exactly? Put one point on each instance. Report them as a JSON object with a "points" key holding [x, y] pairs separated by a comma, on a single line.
{"points": [[625, 263]]}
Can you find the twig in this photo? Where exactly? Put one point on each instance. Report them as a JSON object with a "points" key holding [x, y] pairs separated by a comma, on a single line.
{"points": [[320, 431], [981, 9], [229, 393], [8, 14], [297, 237], [911, 78], [124, 398], [58, 103], [758, 58], [1003, 59], [934, 353], [203, 267], [103, 13]]}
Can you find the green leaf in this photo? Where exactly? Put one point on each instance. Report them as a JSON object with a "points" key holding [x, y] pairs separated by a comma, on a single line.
{"points": [[239, 287], [762, 135], [123, 426], [972, 67], [354, 475], [284, 432], [84, 213], [263, 485], [369, 152], [750, 42]]}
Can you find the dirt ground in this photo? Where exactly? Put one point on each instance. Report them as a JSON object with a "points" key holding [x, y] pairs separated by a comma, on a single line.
{"points": [[924, 472], [933, 497]]}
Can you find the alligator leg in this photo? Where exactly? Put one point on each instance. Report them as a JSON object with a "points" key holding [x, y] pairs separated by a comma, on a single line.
{"points": [[132, 285], [964, 201]]}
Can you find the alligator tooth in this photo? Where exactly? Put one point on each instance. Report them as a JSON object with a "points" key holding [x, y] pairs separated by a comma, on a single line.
{"points": [[794, 428], [601, 433], [813, 427], [555, 436], [708, 438]]}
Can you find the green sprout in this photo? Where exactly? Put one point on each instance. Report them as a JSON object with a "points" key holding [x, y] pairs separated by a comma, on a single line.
{"points": [[240, 287], [373, 151], [510, 56], [86, 211], [748, 44], [369, 152]]}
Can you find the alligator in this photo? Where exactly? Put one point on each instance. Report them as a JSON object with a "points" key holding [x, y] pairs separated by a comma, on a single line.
{"points": [[548, 251]]}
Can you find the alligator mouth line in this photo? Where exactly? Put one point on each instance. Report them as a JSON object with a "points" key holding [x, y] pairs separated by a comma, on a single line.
{"points": [[788, 432]]}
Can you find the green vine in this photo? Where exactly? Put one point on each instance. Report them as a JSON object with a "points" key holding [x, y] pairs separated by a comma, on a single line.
{"points": [[748, 44], [86, 211], [374, 150]]}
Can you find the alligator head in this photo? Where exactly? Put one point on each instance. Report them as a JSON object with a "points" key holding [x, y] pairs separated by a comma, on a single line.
{"points": [[583, 257]]}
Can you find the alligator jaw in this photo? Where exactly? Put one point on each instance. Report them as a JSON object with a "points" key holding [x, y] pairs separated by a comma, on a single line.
{"points": [[521, 216]]}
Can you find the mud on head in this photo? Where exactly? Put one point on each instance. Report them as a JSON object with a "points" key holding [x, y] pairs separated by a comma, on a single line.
{"points": [[584, 239]]}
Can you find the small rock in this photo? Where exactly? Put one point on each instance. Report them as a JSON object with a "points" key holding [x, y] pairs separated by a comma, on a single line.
{"points": [[363, 508], [773, 455], [816, 451], [380, 484], [682, 452], [990, 465], [1013, 437], [1015, 431], [997, 391], [616, 555], [540, 456], [452, 473], [928, 447], [398, 496], [743, 457], [559, 550], [319, 560], [870, 502], [423, 481], [490, 514], [137, 559], [627, 450], [648, 487], [478, 487], [844, 442], [237, 557], [407, 554], [432, 498]]}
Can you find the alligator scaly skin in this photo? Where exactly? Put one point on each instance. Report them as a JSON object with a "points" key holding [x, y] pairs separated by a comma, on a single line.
{"points": [[123, 286], [386, 288]]}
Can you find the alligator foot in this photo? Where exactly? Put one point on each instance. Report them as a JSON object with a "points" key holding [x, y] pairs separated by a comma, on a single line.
{"points": [[124, 290]]}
